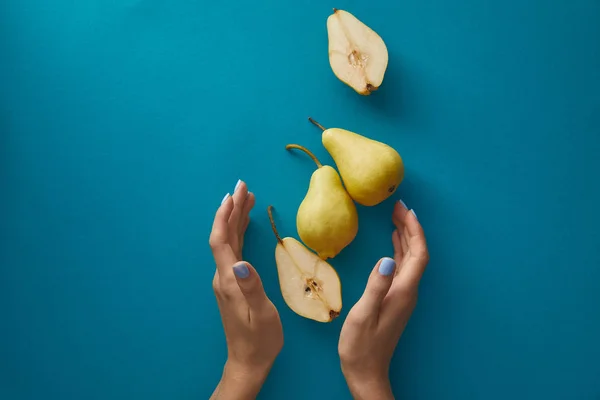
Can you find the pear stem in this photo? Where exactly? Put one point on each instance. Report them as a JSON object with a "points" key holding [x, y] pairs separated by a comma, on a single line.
{"points": [[270, 211], [304, 149], [316, 123]]}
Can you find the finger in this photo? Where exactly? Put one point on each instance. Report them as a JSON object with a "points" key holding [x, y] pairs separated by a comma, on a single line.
{"points": [[404, 240], [398, 251], [399, 214], [248, 206], [235, 220], [378, 285], [417, 256], [239, 199], [250, 285], [219, 238]]}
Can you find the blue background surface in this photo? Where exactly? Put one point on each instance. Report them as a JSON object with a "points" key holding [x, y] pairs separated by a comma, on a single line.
{"points": [[123, 123]]}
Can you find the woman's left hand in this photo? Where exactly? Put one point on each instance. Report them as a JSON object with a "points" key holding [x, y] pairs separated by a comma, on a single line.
{"points": [[251, 322]]}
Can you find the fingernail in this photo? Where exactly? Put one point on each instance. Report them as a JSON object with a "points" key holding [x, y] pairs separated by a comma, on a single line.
{"points": [[241, 270], [415, 214], [387, 266], [237, 185], [403, 204], [225, 198]]}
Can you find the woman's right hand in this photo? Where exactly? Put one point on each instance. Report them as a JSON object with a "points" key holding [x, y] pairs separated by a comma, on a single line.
{"points": [[376, 322]]}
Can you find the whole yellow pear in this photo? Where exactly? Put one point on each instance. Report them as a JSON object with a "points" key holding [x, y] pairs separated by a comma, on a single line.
{"points": [[371, 170], [327, 220]]}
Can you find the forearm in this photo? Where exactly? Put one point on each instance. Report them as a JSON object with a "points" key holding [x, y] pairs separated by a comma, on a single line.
{"points": [[239, 384]]}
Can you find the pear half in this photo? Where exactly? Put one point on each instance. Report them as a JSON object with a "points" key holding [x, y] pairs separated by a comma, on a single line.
{"points": [[357, 54], [309, 285], [371, 170]]}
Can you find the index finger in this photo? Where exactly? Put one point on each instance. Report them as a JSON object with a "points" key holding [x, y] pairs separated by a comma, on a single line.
{"points": [[219, 239], [416, 258]]}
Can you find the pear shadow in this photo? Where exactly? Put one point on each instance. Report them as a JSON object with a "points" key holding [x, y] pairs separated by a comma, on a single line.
{"points": [[397, 99]]}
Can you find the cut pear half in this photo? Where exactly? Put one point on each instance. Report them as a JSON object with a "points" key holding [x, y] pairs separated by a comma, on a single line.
{"points": [[357, 54], [309, 285]]}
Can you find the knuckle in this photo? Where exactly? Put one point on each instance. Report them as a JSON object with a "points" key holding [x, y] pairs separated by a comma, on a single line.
{"points": [[358, 322], [214, 242], [228, 280], [226, 294], [350, 356], [345, 353], [358, 319], [218, 239], [420, 255], [228, 290]]}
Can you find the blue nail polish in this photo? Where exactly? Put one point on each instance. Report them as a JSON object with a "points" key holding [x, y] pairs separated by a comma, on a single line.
{"points": [[387, 266], [225, 198], [403, 204], [237, 185], [241, 270], [415, 214]]}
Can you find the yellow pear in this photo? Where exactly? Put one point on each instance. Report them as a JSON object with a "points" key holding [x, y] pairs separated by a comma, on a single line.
{"points": [[357, 54], [327, 220], [309, 285], [371, 170]]}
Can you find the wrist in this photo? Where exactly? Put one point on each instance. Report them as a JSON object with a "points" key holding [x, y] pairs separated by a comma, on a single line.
{"points": [[240, 382], [369, 387]]}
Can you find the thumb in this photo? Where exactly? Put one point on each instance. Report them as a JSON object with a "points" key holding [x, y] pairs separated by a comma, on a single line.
{"points": [[378, 285], [250, 284]]}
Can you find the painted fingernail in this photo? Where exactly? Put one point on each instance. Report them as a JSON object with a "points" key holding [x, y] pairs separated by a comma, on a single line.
{"points": [[387, 266], [237, 185], [241, 270], [403, 204], [415, 214], [225, 198]]}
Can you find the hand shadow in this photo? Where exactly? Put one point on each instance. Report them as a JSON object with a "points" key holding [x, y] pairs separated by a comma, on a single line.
{"points": [[421, 346]]}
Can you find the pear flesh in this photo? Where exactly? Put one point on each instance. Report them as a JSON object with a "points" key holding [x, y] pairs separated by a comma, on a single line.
{"points": [[309, 285], [357, 54], [371, 170], [327, 219]]}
